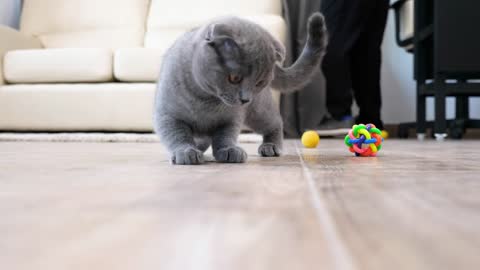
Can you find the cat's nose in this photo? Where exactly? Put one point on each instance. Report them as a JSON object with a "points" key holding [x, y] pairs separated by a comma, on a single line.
{"points": [[244, 100], [245, 96]]}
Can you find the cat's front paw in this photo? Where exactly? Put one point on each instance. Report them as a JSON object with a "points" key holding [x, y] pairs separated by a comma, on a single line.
{"points": [[233, 154], [188, 156], [269, 150]]}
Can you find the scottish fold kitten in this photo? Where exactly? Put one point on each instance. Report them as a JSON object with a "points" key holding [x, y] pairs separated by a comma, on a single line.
{"points": [[217, 77]]}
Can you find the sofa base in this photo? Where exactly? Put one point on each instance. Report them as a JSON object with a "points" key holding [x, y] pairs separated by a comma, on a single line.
{"points": [[77, 107]]}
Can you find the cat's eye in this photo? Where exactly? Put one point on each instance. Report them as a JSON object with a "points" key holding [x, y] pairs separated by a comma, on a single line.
{"points": [[260, 83], [234, 79]]}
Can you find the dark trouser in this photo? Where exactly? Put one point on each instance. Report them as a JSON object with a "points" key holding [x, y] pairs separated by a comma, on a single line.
{"points": [[353, 57]]}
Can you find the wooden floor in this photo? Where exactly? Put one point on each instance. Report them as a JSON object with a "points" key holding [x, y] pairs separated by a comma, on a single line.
{"points": [[122, 206]]}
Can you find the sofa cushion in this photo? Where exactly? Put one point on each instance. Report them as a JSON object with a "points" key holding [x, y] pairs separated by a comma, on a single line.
{"points": [[162, 36], [16, 40], [165, 22], [137, 64], [58, 65], [100, 38], [85, 23], [179, 11]]}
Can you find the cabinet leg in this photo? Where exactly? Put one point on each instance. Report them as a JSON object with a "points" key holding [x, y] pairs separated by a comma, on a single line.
{"points": [[440, 126]]}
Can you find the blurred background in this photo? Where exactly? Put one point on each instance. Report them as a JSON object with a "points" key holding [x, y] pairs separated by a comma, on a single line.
{"points": [[398, 86]]}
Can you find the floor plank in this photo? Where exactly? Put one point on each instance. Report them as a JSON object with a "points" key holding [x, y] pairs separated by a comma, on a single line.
{"points": [[416, 206], [123, 206]]}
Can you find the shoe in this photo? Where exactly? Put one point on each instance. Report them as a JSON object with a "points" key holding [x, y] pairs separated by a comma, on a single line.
{"points": [[333, 127], [376, 121]]}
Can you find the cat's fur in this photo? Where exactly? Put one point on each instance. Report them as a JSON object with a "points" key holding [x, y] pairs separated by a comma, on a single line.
{"points": [[217, 77]]}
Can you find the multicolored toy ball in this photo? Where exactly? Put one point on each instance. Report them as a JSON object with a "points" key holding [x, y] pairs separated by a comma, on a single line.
{"points": [[364, 140]]}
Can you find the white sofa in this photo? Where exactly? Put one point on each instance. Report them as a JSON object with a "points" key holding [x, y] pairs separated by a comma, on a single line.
{"points": [[90, 65]]}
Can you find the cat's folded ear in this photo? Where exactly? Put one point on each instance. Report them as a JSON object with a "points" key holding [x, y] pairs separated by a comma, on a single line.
{"points": [[210, 33], [215, 31], [225, 46]]}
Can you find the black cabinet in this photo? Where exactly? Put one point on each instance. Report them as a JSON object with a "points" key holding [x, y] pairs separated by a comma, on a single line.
{"points": [[456, 39], [446, 47]]}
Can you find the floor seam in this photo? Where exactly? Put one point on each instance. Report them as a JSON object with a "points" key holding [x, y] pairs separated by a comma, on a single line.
{"points": [[340, 254]]}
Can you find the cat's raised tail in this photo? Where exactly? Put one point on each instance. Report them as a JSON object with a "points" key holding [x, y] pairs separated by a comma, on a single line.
{"points": [[290, 79]]}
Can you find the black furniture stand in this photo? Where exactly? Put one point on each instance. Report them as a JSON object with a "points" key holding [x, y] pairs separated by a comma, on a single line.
{"points": [[446, 47]]}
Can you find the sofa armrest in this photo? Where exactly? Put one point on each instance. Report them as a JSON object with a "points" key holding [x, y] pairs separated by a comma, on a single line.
{"points": [[11, 39]]}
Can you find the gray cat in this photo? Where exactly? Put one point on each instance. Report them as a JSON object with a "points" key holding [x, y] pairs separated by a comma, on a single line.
{"points": [[217, 77]]}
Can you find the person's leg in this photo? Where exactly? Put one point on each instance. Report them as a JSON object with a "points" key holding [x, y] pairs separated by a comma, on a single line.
{"points": [[366, 64], [337, 74], [335, 64], [346, 20]]}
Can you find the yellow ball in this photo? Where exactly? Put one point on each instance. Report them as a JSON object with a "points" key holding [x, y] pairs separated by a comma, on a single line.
{"points": [[384, 134], [310, 139]]}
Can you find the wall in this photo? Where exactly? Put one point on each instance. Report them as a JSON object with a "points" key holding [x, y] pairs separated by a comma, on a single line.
{"points": [[9, 11]]}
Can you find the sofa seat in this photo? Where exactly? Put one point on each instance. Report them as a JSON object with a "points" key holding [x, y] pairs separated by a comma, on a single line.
{"points": [[58, 65], [137, 64], [77, 107]]}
